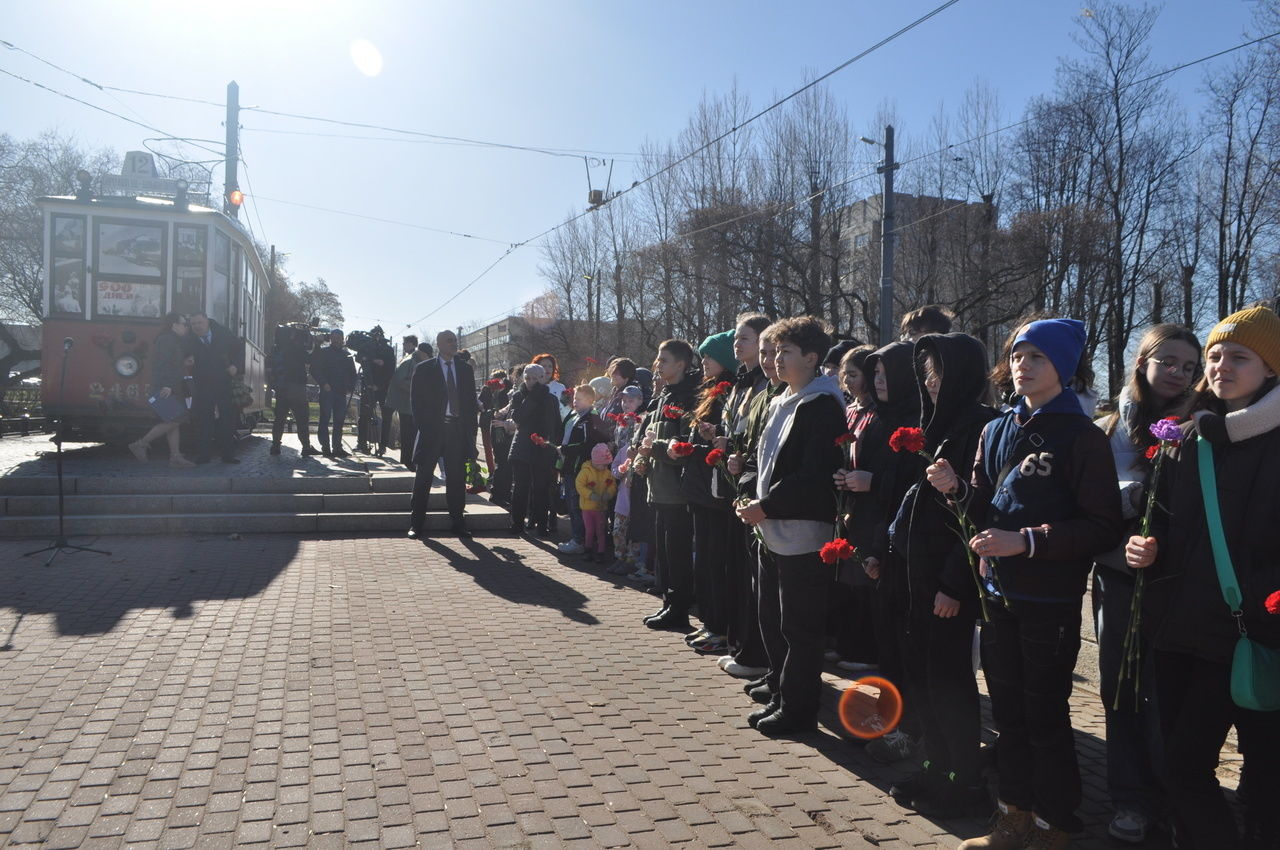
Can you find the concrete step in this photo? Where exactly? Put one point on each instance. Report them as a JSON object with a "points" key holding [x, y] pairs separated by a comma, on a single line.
{"points": [[13, 486], [190, 503], [485, 519]]}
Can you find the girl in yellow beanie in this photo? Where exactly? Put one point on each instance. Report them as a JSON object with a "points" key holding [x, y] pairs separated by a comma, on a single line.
{"points": [[1195, 629]]}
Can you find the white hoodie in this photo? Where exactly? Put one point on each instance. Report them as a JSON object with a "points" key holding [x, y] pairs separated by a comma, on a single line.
{"points": [[791, 536]]}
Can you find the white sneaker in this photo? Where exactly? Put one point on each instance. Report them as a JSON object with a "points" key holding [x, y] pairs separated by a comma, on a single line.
{"points": [[855, 666], [1129, 826], [571, 547], [742, 671], [723, 660]]}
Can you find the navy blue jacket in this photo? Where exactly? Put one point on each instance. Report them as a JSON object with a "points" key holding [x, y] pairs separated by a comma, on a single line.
{"points": [[1061, 483]]}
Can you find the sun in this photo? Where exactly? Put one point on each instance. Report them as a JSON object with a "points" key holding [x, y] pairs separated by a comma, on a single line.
{"points": [[367, 58]]}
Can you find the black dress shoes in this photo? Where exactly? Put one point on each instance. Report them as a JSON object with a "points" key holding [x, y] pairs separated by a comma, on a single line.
{"points": [[415, 532], [661, 612], [779, 723], [460, 530], [761, 713], [670, 621]]}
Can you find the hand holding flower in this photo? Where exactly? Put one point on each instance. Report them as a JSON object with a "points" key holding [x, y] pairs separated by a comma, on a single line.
{"points": [[942, 477], [736, 464], [707, 430], [871, 566], [1140, 552], [751, 513], [996, 543], [722, 443]]}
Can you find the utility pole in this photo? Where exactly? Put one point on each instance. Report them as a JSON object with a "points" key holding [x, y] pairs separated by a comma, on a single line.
{"points": [[232, 153], [887, 237]]}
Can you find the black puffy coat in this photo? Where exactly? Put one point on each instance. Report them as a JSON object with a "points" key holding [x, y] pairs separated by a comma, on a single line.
{"points": [[1183, 597]]}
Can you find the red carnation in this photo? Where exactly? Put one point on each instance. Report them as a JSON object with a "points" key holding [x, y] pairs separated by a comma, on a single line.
{"points": [[682, 449], [845, 439], [720, 389], [836, 550], [494, 383], [593, 361], [1151, 451], [907, 440], [538, 440], [715, 456], [1273, 603], [670, 411]]}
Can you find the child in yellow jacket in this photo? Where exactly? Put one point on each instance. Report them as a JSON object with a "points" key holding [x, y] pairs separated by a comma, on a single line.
{"points": [[596, 489]]}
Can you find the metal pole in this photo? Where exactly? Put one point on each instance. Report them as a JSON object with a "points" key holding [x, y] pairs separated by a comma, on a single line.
{"points": [[887, 237], [232, 153]]}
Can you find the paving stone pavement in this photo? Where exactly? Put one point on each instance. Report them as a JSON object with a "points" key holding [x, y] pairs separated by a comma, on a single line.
{"points": [[341, 691]]}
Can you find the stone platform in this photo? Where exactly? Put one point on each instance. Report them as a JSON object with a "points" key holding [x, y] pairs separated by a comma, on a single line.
{"points": [[107, 491]]}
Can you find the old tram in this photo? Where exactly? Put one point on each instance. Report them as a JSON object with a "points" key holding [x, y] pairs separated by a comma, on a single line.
{"points": [[115, 264]]}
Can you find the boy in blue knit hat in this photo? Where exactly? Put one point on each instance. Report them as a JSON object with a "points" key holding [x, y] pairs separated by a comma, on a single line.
{"points": [[1044, 492]]}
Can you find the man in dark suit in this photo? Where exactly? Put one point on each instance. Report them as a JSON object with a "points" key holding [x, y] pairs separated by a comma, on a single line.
{"points": [[443, 397], [214, 350]]}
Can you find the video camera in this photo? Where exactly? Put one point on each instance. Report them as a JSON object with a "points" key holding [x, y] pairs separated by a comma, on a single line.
{"points": [[359, 342]]}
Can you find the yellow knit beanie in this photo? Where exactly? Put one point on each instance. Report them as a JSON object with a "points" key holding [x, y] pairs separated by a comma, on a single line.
{"points": [[1256, 328]]}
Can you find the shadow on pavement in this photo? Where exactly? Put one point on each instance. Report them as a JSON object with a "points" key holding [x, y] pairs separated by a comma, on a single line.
{"points": [[501, 571], [89, 594]]}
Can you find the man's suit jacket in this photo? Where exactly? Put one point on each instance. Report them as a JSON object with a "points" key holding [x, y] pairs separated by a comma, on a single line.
{"points": [[428, 398]]}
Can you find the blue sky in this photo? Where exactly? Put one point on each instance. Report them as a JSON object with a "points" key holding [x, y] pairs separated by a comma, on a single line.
{"points": [[604, 76]]}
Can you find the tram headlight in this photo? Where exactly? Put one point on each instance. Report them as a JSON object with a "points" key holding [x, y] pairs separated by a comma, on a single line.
{"points": [[127, 365]]}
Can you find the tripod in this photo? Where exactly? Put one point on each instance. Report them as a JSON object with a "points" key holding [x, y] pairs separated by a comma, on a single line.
{"points": [[60, 543]]}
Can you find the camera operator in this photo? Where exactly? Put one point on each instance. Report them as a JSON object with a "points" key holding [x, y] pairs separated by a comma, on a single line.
{"points": [[398, 401], [335, 372], [377, 364], [287, 374]]}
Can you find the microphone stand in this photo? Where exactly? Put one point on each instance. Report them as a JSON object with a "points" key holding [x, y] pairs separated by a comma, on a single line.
{"points": [[60, 543]]}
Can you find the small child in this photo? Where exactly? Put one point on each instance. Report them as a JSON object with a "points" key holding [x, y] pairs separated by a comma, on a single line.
{"points": [[596, 489], [583, 428]]}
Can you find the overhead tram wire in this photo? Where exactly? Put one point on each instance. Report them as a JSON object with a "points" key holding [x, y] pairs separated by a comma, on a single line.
{"points": [[145, 126], [943, 150], [669, 166], [384, 220]]}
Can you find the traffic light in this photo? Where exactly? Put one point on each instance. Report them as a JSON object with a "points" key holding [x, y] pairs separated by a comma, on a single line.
{"points": [[235, 197]]}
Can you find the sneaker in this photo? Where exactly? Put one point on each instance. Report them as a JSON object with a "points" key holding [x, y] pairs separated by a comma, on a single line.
{"points": [[1011, 831], [1045, 837], [724, 660], [619, 568], [571, 547], [139, 450], [1129, 826], [831, 656], [895, 746], [855, 666], [696, 636], [713, 645], [742, 671], [951, 799]]}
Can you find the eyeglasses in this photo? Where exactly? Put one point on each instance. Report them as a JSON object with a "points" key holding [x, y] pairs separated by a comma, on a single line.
{"points": [[1186, 369]]}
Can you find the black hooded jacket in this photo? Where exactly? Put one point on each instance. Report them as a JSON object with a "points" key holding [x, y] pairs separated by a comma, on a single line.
{"points": [[924, 538], [873, 510]]}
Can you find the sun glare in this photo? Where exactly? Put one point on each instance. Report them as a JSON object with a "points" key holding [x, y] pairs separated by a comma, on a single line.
{"points": [[367, 58]]}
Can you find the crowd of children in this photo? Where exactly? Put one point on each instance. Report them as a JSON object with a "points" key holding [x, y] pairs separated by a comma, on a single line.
{"points": [[818, 500]]}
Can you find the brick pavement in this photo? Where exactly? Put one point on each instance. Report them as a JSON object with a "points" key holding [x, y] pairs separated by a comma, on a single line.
{"points": [[333, 691]]}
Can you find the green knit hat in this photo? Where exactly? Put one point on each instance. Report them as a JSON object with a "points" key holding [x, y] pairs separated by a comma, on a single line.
{"points": [[1256, 328], [719, 347]]}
